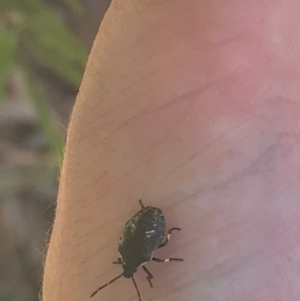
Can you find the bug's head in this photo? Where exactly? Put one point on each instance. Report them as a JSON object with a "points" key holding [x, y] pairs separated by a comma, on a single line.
{"points": [[129, 270]]}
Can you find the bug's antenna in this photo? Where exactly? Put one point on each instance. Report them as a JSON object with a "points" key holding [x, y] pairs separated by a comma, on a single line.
{"points": [[103, 286], [137, 289], [142, 205]]}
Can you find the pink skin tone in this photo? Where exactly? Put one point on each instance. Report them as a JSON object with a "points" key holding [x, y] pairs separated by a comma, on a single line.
{"points": [[192, 106]]}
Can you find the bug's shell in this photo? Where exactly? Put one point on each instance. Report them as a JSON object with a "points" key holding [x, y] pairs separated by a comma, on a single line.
{"points": [[143, 234]]}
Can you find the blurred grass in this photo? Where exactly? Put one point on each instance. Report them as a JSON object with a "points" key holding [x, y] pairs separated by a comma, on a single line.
{"points": [[41, 66], [30, 27], [43, 115], [8, 44]]}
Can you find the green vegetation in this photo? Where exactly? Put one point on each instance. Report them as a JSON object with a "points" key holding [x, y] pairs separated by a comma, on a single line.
{"points": [[29, 29]]}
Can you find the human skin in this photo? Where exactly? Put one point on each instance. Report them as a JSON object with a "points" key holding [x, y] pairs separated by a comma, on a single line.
{"points": [[194, 107]]}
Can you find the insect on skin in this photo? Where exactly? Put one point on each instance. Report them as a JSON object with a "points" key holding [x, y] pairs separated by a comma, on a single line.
{"points": [[143, 234]]}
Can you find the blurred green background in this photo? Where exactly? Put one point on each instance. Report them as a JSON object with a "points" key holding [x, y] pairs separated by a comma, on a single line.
{"points": [[44, 46]]}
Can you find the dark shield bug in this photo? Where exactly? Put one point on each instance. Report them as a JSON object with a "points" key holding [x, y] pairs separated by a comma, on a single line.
{"points": [[143, 234]]}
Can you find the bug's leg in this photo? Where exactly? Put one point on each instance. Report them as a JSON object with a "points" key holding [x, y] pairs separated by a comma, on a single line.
{"points": [[119, 261], [142, 205], [149, 275], [166, 260], [168, 237]]}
